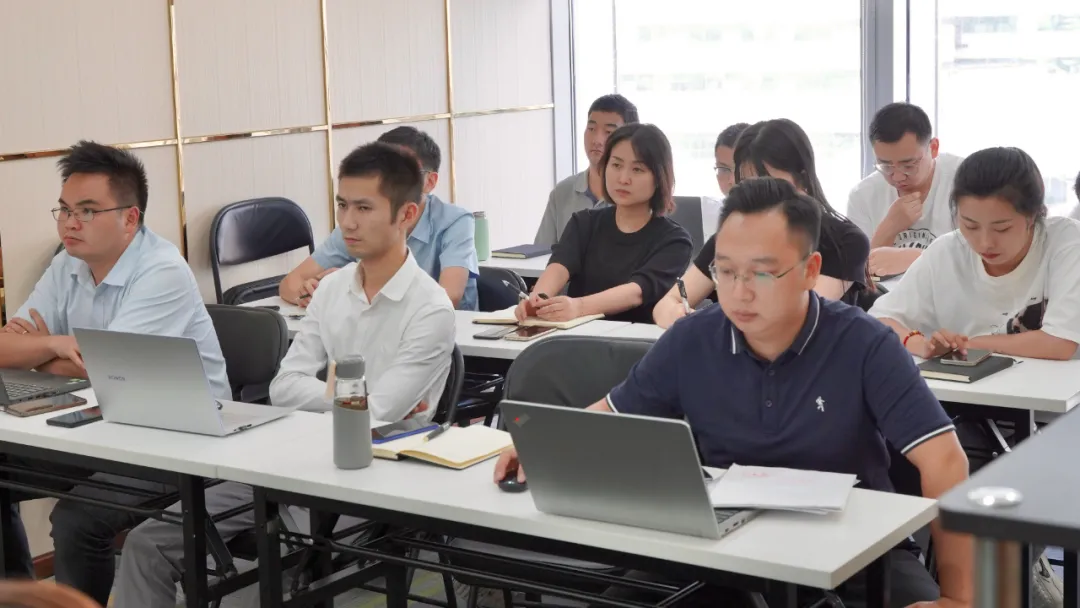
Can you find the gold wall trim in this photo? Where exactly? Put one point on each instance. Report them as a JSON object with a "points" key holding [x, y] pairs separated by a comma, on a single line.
{"points": [[201, 139], [154, 143], [452, 152], [543, 106], [175, 66], [390, 121], [329, 121]]}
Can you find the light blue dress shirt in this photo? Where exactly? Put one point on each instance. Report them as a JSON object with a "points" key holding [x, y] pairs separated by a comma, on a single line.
{"points": [[150, 290], [443, 238]]}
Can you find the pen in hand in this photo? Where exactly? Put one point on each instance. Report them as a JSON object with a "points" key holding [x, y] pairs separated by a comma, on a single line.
{"points": [[521, 294], [682, 294], [439, 431]]}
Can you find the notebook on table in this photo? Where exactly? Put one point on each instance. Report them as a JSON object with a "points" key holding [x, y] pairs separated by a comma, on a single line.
{"points": [[934, 369], [457, 448], [522, 252], [506, 317]]}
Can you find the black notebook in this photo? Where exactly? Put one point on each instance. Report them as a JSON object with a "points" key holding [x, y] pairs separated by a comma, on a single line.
{"points": [[522, 252], [934, 369]]}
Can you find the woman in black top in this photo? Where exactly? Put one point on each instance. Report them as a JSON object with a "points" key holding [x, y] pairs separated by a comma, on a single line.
{"points": [[620, 259], [780, 148]]}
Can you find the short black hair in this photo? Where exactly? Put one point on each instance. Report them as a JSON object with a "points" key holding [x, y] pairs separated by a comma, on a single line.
{"points": [[730, 135], [1076, 186], [419, 142], [896, 119], [652, 148], [127, 176], [763, 194], [399, 174], [618, 104], [1005, 173]]}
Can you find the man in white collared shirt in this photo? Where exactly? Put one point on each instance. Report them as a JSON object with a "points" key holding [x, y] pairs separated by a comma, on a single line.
{"points": [[115, 274], [384, 307]]}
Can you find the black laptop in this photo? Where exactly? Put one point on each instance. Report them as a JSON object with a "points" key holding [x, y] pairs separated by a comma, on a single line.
{"points": [[17, 386]]}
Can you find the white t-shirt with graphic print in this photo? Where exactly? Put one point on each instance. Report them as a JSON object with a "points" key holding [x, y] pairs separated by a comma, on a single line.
{"points": [[947, 287], [870, 200]]}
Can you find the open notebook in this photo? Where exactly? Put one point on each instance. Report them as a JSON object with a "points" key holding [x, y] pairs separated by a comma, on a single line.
{"points": [[506, 317], [457, 448]]}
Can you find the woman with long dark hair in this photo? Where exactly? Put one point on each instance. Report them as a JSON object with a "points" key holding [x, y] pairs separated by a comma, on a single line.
{"points": [[780, 148], [618, 260]]}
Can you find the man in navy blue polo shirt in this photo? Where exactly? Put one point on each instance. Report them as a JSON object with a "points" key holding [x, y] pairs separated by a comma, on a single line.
{"points": [[777, 376]]}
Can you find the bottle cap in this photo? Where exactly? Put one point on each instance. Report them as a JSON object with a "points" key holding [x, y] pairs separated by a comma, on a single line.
{"points": [[478, 214], [351, 367]]}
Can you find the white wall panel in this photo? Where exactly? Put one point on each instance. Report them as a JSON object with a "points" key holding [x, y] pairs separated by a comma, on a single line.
{"points": [[219, 173], [163, 206], [387, 59], [501, 53], [511, 184], [71, 70], [346, 140], [248, 65], [28, 190]]}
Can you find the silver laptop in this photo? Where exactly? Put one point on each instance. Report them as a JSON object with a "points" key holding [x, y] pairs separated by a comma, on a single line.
{"points": [[159, 382], [618, 468]]}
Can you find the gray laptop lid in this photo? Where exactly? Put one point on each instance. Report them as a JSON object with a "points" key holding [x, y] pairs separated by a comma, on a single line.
{"points": [[146, 380], [633, 470]]}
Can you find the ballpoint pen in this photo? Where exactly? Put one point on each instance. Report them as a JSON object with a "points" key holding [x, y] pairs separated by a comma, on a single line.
{"points": [[521, 294], [439, 431], [682, 294]]}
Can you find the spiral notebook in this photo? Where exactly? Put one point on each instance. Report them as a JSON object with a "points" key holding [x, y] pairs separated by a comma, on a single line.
{"points": [[457, 448], [506, 317]]}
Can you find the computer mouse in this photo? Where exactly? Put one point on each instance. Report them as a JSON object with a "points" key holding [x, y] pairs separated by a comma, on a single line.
{"points": [[511, 484]]}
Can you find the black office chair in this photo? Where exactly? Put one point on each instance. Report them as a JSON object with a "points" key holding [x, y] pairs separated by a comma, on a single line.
{"points": [[253, 342], [253, 230], [571, 371], [688, 215], [493, 294], [448, 403]]}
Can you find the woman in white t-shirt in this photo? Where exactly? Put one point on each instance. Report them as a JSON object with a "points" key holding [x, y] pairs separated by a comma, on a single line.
{"points": [[1008, 280]]}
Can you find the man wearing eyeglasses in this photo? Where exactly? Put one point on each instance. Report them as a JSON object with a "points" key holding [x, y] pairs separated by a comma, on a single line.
{"points": [[779, 376], [115, 274], [904, 205], [441, 240]]}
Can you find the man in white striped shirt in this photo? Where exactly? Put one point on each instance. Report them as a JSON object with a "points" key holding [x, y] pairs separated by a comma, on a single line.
{"points": [[384, 307]]}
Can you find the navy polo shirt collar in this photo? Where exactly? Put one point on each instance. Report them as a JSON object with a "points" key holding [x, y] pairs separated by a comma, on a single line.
{"points": [[813, 315]]}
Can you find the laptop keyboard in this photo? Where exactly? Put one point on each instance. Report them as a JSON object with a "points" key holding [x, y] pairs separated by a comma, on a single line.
{"points": [[17, 390]]}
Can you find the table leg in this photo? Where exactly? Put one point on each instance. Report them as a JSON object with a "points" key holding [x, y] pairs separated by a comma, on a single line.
{"points": [[1025, 425], [322, 524], [269, 551], [1072, 580], [997, 569], [193, 509], [397, 589], [6, 531], [878, 590]]}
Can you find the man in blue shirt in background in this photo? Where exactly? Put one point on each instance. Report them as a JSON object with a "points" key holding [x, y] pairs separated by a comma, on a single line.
{"points": [[114, 274], [441, 242], [778, 376]]}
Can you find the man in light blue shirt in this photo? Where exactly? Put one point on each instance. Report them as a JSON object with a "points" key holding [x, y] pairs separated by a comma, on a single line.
{"points": [[115, 274], [441, 242]]}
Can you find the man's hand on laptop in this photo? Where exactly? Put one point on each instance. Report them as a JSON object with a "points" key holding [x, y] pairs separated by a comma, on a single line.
{"points": [[35, 327], [507, 464]]}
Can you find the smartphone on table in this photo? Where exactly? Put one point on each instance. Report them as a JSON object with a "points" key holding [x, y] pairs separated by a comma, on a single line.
{"points": [[397, 430], [44, 405], [495, 333], [524, 334], [74, 419], [973, 357]]}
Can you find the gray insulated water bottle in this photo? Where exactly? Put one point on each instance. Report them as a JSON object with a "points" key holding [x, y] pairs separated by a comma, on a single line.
{"points": [[352, 421]]}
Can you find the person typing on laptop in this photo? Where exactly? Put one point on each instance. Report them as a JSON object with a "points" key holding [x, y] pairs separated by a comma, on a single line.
{"points": [[116, 274], [385, 308], [778, 376]]}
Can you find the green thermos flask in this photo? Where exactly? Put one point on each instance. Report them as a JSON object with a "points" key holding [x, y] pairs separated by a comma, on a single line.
{"points": [[483, 244]]}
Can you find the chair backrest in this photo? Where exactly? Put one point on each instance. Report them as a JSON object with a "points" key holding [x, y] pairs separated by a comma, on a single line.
{"points": [[493, 294], [572, 371], [256, 229], [253, 342], [447, 408], [36, 594], [688, 215]]}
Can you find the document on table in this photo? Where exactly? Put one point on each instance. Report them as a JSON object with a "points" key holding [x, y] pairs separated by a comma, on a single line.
{"points": [[781, 489]]}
